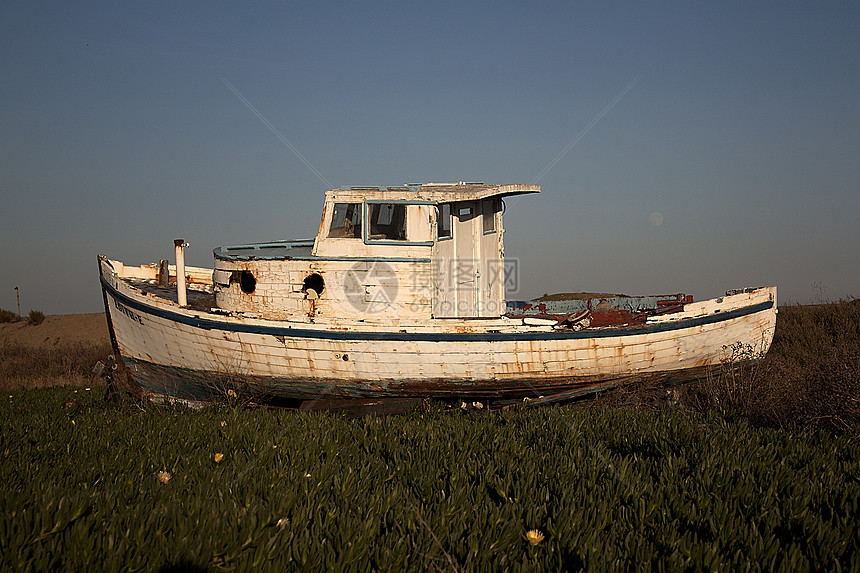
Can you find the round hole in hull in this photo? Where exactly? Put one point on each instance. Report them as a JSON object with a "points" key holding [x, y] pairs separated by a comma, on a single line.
{"points": [[247, 282], [314, 281]]}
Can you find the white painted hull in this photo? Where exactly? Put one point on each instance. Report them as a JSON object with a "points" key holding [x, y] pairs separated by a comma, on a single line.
{"points": [[190, 354]]}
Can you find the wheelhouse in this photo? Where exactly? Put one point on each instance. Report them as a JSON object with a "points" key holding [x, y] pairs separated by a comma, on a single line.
{"points": [[414, 252]]}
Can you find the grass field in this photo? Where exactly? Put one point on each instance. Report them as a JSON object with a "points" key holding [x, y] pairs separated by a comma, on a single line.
{"points": [[756, 468]]}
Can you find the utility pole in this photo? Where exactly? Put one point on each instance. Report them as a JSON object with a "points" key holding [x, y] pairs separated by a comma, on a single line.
{"points": [[18, 296]]}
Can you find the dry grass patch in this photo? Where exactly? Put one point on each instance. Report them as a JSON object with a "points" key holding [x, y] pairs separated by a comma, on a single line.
{"points": [[23, 366]]}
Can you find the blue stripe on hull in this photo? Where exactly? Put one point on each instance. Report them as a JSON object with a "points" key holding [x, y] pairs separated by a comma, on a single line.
{"points": [[215, 324]]}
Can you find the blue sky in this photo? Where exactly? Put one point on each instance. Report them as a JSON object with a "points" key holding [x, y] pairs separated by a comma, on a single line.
{"points": [[738, 123]]}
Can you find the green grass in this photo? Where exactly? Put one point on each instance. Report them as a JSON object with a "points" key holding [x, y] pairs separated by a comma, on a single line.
{"points": [[756, 468], [432, 489]]}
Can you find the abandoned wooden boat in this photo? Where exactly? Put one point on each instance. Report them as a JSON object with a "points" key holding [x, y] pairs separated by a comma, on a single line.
{"points": [[401, 294]]}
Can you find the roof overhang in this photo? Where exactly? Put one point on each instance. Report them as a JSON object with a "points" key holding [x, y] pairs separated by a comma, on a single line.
{"points": [[432, 192]]}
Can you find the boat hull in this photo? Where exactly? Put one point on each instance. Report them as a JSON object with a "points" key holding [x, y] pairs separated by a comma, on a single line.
{"points": [[174, 352]]}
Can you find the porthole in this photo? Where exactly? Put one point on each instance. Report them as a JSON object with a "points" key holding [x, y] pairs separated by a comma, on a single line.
{"points": [[313, 281], [247, 282]]}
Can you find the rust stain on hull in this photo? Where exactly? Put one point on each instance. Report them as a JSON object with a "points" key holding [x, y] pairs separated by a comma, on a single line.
{"points": [[207, 387]]}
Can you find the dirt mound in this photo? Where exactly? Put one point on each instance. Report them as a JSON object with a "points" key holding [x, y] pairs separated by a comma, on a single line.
{"points": [[57, 330]]}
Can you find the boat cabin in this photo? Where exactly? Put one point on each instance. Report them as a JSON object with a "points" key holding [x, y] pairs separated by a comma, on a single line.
{"points": [[412, 252]]}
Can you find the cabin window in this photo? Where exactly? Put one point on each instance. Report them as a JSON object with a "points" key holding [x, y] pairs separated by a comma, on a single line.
{"points": [[489, 208], [387, 221], [443, 223], [346, 221]]}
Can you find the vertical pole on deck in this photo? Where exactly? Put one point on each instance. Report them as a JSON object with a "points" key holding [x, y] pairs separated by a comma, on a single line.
{"points": [[180, 245], [163, 274]]}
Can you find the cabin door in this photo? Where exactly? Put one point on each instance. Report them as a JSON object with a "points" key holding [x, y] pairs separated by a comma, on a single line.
{"points": [[457, 261]]}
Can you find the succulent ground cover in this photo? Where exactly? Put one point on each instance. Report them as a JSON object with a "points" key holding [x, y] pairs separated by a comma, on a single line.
{"points": [[92, 485], [756, 468]]}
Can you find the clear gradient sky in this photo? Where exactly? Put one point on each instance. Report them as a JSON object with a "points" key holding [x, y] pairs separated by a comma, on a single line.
{"points": [[734, 125]]}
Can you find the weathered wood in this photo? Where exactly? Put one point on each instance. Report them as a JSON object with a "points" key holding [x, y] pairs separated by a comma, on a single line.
{"points": [[338, 358]]}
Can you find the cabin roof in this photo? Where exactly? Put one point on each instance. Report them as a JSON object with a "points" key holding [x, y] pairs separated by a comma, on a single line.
{"points": [[433, 192]]}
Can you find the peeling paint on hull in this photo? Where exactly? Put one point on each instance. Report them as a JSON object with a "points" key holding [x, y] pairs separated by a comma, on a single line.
{"points": [[195, 355], [201, 386]]}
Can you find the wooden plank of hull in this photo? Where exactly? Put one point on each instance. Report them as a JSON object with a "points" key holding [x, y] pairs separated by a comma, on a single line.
{"points": [[201, 386], [173, 351]]}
